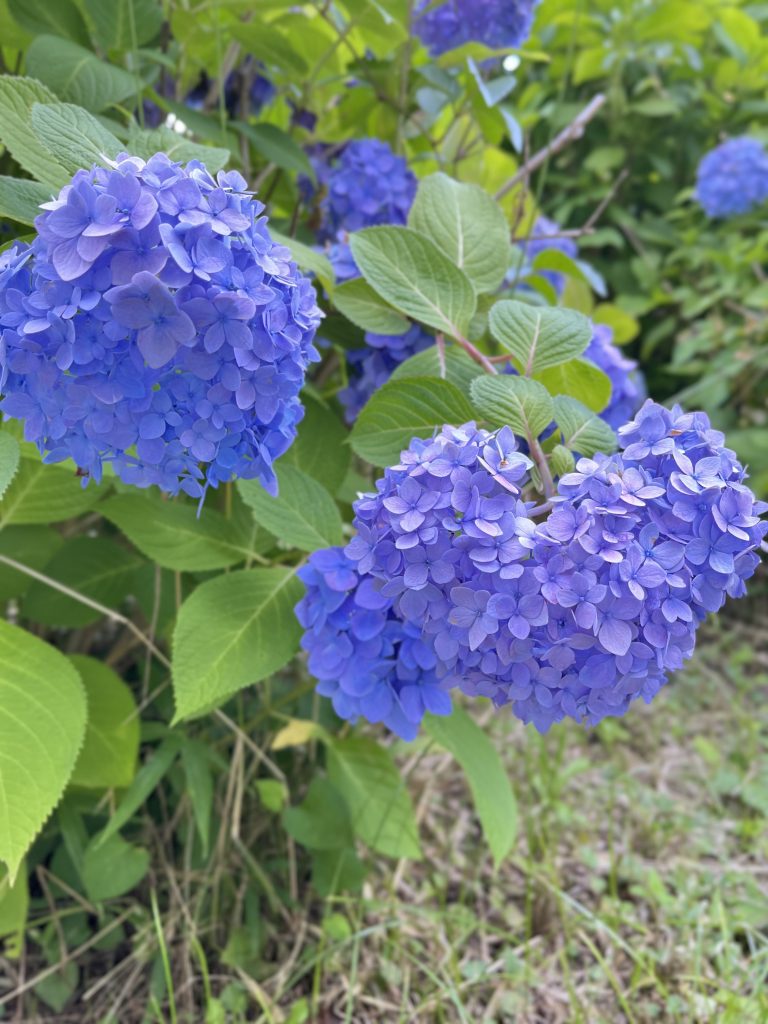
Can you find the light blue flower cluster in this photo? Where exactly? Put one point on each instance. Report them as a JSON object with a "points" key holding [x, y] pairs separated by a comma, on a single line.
{"points": [[576, 616], [499, 24], [628, 388], [154, 324], [733, 178]]}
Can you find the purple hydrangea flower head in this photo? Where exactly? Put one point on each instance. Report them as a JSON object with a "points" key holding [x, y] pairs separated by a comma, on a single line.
{"points": [[575, 616], [365, 185], [628, 388], [154, 324], [499, 24], [372, 366], [733, 178]]}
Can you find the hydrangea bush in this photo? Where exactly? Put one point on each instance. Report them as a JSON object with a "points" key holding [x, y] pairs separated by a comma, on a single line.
{"points": [[154, 325], [498, 24], [733, 178]]}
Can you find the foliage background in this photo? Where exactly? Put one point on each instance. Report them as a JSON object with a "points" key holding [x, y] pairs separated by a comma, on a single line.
{"points": [[259, 863]]}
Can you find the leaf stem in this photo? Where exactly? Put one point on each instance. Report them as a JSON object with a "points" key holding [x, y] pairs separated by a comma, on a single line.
{"points": [[474, 353]]}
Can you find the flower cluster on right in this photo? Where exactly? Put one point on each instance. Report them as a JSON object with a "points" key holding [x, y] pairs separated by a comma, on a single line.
{"points": [[450, 582], [733, 178]]}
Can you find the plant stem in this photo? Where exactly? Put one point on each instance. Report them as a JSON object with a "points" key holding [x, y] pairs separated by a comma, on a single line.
{"points": [[474, 353], [538, 456]]}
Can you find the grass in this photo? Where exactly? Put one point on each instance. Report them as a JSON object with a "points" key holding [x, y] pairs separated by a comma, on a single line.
{"points": [[638, 891]]}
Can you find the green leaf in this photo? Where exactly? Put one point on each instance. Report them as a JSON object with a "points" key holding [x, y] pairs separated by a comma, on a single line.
{"points": [[467, 225], [124, 24], [414, 276], [402, 410], [61, 17], [582, 431], [561, 460], [14, 907], [146, 143], [111, 747], [277, 147], [321, 820], [267, 44], [42, 724], [358, 302], [307, 258], [9, 460], [320, 449], [147, 779], [379, 804], [303, 515], [231, 632], [93, 566], [539, 336], [460, 369], [17, 96], [112, 868], [45, 494], [74, 135], [487, 777], [20, 199], [517, 402], [171, 534], [77, 75], [32, 546], [578, 377], [196, 758]]}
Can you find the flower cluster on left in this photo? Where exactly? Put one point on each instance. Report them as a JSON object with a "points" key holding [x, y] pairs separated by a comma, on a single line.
{"points": [[155, 324]]}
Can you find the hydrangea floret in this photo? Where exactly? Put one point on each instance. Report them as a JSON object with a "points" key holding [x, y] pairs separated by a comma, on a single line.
{"points": [[154, 324], [499, 24], [733, 178], [452, 582]]}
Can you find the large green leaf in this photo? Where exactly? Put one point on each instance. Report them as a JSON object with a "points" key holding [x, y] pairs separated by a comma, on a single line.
{"points": [[578, 378], [61, 17], [74, 135], [111, 746], [124, 24], [303, 515], [517, 402], [42, 724], [233, 631], [413, 275], [458, 368], [539, 336], [77, 75], [582, 430], [375, 791], [172, 534], [45, 494], [32, 546], [20, 198], [17, 96], [402, 410], [488, 779], [112, 867], [367, 310], [93, 566], [467, 225], [9, 460], [320, 448]]}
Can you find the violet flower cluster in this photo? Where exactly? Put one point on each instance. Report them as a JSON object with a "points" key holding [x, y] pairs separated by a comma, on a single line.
{"points": [[499, 24], [450, 583], [628, 388], [154, 324], [733, 178]]}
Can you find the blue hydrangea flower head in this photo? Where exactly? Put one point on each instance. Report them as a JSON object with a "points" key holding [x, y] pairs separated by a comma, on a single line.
{"points": [[154, 324], [628, 389], [574, 616], [499, 24], [372, 366], [733, 178], [365, 185]]}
